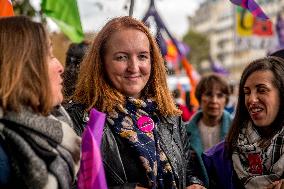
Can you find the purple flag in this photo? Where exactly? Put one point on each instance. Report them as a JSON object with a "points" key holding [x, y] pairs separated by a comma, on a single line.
{"points": [[252, 6], [184, 48], [280, 30], [91, 174], [217, 67]]}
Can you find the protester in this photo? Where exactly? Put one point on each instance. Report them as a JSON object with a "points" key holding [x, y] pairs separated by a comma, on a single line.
{"points": [[190, 107], [74, 57], [232, 102], [37, 149], [252, 156], [211, 123], [186, 114], [144, 142]]}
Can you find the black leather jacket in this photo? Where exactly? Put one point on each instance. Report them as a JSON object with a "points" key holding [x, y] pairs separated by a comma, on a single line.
{"points": [[122, 171]]}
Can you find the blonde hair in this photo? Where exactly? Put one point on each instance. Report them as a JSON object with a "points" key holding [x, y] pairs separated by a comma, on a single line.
{"points": [[24, 77], [93, 88]]}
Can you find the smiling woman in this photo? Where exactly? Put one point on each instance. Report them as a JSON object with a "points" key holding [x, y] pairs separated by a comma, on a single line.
{"points": [[262, 98], [144, 142], [128, 61], [255, 144]]}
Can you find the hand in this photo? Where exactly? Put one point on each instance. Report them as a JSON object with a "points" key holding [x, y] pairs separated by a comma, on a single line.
{"points": [[195, 186], [277, 185]]}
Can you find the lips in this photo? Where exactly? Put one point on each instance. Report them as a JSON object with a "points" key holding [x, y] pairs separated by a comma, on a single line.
{"points": [[214, 107], [132, 78], [255, 111]]}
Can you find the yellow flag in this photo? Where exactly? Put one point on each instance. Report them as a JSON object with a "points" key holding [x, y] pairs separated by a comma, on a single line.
{"points": [[244, 22]]}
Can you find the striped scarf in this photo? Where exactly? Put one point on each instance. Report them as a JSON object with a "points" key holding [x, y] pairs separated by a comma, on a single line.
{"points": [[146, 145], [44, 151], [257, 167]]}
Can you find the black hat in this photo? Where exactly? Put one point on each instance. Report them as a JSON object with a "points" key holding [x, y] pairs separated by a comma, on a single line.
{"points": [[278, 53]]}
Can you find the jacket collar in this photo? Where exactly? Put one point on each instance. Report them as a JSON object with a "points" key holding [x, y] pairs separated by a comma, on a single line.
{"points": [[194, 132], [167, 138]]}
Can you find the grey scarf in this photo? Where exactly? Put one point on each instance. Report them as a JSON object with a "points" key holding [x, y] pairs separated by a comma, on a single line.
{"points": [[44, 151], [257, 167]]}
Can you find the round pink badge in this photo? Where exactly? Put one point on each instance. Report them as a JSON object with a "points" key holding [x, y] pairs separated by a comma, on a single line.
{"points": [[145, 124]]}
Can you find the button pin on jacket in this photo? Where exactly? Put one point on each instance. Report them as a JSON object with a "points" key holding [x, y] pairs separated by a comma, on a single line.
{"points": [[145, 124]]}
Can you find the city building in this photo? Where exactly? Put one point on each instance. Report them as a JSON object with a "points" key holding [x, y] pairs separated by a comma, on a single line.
{"points": [[217, 19]]}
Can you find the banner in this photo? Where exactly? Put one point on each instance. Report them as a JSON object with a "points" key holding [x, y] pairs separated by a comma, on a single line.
{"points": [[249, 25], [6, 8], [251, 6]]}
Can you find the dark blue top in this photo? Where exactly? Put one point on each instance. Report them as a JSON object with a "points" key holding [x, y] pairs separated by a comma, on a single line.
{"points": [[5, 167], [219, 166]]}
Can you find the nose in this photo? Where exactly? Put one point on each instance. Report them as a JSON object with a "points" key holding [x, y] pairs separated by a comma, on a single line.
{"points": [[133, 65], [214, 98], [60, 67], [252, 98]]}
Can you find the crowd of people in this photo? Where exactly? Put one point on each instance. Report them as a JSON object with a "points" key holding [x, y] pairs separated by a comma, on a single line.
{"points": [[147, 141]]}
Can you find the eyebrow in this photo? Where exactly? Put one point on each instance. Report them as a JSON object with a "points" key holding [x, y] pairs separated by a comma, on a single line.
{"points": [[144, 52], [119, 52], [123, 52], [258, 85], [261, 85]]}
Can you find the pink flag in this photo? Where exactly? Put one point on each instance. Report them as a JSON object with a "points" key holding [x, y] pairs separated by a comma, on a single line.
{"points": [[252, 6], [91, 174]]}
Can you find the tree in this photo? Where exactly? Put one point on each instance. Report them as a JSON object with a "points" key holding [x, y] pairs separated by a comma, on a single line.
{"points": [[199, 47]]}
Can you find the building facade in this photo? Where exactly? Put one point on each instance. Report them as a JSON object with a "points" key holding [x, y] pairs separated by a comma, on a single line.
{"points": [[217, 19]]}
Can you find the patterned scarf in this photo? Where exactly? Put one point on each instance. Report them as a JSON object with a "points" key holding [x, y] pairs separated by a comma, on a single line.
{"points": [[44, 151], [257, 167], [146, 145]]}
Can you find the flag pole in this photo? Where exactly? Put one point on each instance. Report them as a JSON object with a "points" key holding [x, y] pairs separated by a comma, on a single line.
{"points": [[132, 2]]}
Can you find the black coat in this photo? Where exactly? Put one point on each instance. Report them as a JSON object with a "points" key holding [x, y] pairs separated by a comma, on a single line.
{"points": [[121, 167]]}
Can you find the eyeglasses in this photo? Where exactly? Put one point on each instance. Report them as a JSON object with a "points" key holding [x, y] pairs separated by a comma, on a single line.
{"points": [[210, 95]]}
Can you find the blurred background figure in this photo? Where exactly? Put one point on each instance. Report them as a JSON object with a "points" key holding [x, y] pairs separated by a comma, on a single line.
{"points": [[186, 113], [38, 147], [232, 102], [74, 56], [211, 123]]}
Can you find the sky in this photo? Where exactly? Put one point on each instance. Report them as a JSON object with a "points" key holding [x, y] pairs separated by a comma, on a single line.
{"points": [[174, 13], [95, 13]]}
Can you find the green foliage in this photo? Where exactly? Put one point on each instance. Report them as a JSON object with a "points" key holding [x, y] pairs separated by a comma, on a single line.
{"points": [[199, 47]]}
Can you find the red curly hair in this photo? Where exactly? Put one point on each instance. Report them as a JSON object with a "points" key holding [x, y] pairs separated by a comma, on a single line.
{"points": [[93, 88]]}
